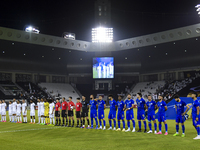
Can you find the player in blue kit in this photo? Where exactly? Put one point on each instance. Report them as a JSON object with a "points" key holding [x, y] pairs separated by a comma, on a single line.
{"points": [[195, 115], [141, 106], [112, 113], [101, 107], [120, 114], [129, 104], [162, 107], [151, 106], [179, 106], [93, 111]]}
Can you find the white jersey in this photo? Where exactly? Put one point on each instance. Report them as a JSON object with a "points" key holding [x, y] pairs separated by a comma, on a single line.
{"points": [[32, 107], [38, 104], [10, 109], [19, 107], [24, 105], [41, 106], [51, 107], [3, 107], [14, 107], [0, 108]]}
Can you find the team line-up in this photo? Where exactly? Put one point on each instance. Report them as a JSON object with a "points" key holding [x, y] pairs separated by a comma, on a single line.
{"points": [[46, 110]]}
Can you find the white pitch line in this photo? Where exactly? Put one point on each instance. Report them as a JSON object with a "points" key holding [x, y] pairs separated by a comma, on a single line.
{"points": [[29, 129]]}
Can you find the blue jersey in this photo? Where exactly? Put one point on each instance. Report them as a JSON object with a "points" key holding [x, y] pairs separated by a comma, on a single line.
{"points": [[140, 105], [113, 103], [93, 104], [161, 107], [195, 104], [180, 107], [151, 107], [129, 103], [120, 105], [101, 105]]}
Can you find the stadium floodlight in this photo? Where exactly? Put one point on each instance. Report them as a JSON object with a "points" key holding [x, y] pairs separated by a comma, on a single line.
{"points": [[197, 6], [198, 9], [32, 29], [67, 35], [102, 35]]}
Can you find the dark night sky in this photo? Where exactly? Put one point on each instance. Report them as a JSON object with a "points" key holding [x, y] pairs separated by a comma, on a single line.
{"points": [[129, 18]]}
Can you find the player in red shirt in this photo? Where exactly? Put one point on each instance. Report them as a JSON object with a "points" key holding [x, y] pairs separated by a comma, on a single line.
{"points": [[78, 111], [57, 112], [64, 112], [71, 107]]}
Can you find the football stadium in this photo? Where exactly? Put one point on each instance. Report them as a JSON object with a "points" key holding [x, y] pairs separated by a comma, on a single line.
{"points": [[99, 74]]}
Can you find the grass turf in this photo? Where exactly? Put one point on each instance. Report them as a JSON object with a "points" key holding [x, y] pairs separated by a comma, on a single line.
{"points": [[28, 136]]}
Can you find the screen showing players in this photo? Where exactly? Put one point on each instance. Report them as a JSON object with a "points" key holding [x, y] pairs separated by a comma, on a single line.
{"points": [[103, 67]]}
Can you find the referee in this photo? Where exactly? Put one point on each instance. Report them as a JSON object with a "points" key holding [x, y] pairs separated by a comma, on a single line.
{"points": [[64, 112], [84, 112]]}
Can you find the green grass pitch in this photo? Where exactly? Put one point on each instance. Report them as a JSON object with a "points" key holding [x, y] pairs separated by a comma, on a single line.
{"points": [[37, 137]]}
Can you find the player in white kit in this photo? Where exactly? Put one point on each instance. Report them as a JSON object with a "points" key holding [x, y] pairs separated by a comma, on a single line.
{"points": [[0, 110], [10, 111], [42, 112], [19, 112], [32, 112], [14, 111], [38, 104], [3, 111], [24, 111], [51, 113]]}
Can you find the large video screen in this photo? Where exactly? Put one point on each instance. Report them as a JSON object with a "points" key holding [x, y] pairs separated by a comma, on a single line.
{"points": [[103, 67]]}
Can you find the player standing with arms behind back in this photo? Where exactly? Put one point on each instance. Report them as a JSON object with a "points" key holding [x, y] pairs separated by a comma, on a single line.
{"points": [[179, 106], [195, 115], [84, 112], [162, 107], [151, 106], [101, 107], [78, 112], [64, 112], [129, 105], [93, 111], [120, 114], [112, 113], [141, 106], [71, 107], [57, 112], [32, 112]]}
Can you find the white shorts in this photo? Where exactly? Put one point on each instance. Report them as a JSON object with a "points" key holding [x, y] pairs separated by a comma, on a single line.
{"points": [[3, 113], [32, 113], [14, 112], [18, 113], [24, 113], [51, 116], [41, 113], [10, 113]]}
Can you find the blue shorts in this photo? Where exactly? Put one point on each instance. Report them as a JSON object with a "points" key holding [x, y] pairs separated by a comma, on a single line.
{"points": [[112, 115], [180, 119], [120, 116], [93, 114], [140, 116], [151, 117], [195, 123], [129, 115], [101, 114], [161, 118]]}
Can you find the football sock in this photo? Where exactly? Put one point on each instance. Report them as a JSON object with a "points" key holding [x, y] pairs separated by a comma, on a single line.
{"points": [[41, 119], [69, 122], [53, 121], [160, 126], [63, 120], [183, 129], [198, 130], [81, 123], [166, 127], [124, 124], [118, 124], [104, 123], [88, 121], [34, 120], [155, 126], [114, 123], [50, 121], [139, 123], [133, 121], [177, 128], [84, 122], [46, 120], [73, 122], [31, 119], [10, 118], [13, 118], [59, 121], [96, 122], [66, 121], [145, 125], [38, 119], [150, 126], [128, 124], [20, 119], [100, 122], [77, 122], [110, 123], [56, 120], [92, 123]]}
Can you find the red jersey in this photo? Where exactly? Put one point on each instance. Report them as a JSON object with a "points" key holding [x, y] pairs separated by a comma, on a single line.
{"points": [[78, 106], [64, 105], [70, 104], [57, 106]]}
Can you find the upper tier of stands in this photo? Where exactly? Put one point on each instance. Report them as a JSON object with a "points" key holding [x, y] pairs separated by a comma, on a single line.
{"points": [[58, 90]]}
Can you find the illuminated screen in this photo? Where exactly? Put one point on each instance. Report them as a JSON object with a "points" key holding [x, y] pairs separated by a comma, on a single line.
{"points": [[103, 67]]}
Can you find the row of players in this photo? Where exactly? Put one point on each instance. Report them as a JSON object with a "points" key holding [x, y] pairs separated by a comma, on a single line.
{"points": [[46, 110]]}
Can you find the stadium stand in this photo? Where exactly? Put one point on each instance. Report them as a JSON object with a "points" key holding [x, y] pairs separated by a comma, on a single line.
{"points": [[59, 90]]}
